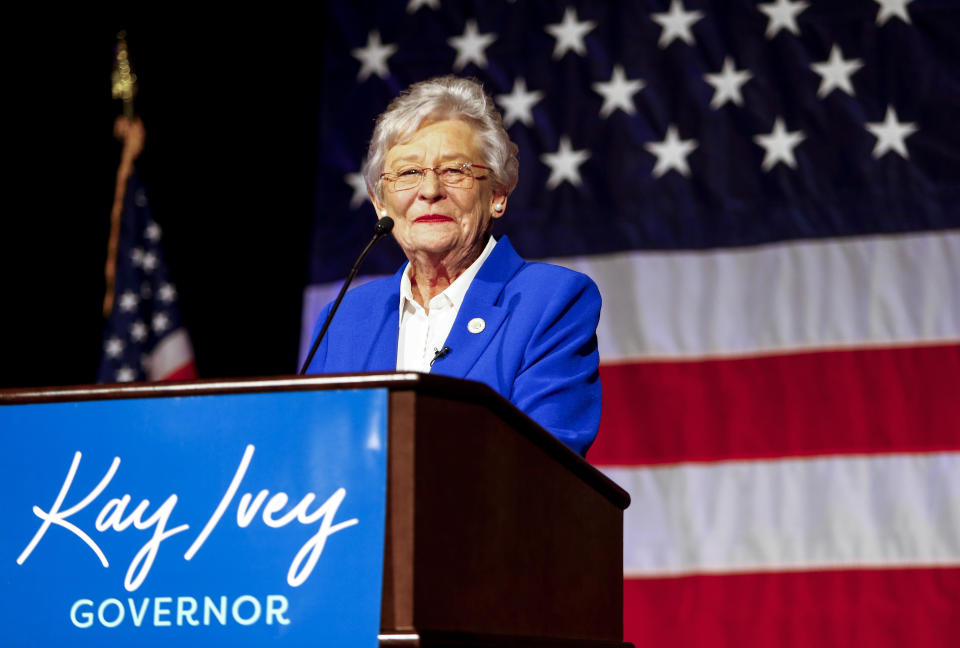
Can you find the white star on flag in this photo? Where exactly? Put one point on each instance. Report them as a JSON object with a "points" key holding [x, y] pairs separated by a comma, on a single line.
{"points": [[128, 302], [149, 262], [136, 256], [125, 374], [890, 134], [414, 5], [138, 332], [470, 46], [114, 347], [140, 198], [778, 145], [152, 232], [160, 322], [565, 164], [835, 73], [570, 33], [518, 105], [676, 23], [892, 9], [618, 92], [167, 293], [359, 186], [782, 14], [671, 153], [373, 57], [727, 84]]}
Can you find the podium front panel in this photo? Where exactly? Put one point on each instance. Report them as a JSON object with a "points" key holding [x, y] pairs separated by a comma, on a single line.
{"points": [[226, 519]]}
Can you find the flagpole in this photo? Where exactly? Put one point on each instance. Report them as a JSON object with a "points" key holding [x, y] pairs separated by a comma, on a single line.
{"points": [[129, 129]]}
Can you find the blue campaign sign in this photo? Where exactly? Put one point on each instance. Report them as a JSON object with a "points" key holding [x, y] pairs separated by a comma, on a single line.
{"points": [[236, 520]]}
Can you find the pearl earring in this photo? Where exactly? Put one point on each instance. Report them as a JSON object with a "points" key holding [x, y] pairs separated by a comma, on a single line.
{"points": [[383, 213], [498, 208]]}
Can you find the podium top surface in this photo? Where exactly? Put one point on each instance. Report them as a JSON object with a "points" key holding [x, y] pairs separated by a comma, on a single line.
{"points": [[219, 386], [426, 384]]}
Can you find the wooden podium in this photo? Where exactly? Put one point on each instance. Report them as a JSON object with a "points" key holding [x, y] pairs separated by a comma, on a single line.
{"points": [[496, 533]]}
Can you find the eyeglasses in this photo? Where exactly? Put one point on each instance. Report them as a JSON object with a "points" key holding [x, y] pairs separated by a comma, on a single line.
{"points": [[451, 175]]}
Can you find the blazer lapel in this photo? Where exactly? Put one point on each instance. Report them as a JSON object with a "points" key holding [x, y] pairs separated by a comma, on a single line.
{"points": [[481, 302]]}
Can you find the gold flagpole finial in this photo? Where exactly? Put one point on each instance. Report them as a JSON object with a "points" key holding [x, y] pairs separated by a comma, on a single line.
{"points": [[128, 129], [123, 79]]}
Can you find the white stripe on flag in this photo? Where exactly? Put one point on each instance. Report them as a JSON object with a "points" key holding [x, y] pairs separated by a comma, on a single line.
{"points": [[898, 510], [861, 292], [170, 354]]}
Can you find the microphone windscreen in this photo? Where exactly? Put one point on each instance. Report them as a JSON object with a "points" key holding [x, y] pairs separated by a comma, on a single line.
{"points": [[384, 225]]}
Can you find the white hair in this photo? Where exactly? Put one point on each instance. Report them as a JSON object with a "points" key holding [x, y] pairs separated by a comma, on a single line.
{"points": [[436, 99]]}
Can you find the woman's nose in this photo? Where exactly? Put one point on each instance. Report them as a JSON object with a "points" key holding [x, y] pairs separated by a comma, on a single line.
{"points": [[430, 186]]}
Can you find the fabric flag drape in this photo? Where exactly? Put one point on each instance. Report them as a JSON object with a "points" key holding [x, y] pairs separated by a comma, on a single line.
{"points": [[768, 195], [144, 338]]}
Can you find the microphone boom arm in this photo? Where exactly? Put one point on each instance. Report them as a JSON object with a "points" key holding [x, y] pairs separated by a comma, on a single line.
{"points": [[384, 225]]}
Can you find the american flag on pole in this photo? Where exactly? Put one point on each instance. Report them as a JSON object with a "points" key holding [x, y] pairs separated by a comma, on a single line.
{"points": [[768, 195], [144, 338]]}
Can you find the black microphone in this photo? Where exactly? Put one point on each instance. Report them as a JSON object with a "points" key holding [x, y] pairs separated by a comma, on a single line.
{"points": [[439, 353], [384, 225]]}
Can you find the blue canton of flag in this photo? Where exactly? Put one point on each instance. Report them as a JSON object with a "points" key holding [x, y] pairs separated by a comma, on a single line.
{"points": [[664, 125], [144, 338]]}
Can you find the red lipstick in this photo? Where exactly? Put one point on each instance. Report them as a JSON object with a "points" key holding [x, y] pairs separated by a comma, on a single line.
{"points": [[432, 218]]}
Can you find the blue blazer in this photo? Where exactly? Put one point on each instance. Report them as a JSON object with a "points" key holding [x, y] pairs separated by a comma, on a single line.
{"points": [[538, 347]]}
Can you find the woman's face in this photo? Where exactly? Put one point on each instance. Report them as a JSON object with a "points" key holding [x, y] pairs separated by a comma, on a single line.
{"points": [[433, 220]]}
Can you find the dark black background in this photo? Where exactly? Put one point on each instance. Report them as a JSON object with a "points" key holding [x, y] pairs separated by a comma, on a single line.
{"points": [[231, 112]]}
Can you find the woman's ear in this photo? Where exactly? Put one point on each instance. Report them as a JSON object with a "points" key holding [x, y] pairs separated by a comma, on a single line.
{"points": [[377, 205]]}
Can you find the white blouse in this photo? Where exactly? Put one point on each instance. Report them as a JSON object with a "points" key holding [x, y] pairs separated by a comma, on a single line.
{"points": [[422, 334]]}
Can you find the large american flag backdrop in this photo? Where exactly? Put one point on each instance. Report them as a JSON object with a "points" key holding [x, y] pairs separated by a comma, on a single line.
{"points": [[768, 195]]}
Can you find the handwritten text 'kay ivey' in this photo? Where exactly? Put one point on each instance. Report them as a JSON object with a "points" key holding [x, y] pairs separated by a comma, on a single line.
{"points": [[111, 516]]}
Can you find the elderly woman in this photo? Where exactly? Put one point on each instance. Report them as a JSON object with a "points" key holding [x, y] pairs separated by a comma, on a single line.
{"points": [[441, 165]]}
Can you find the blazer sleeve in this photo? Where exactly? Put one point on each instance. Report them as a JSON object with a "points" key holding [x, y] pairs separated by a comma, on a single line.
{"points": [[558, 383]]}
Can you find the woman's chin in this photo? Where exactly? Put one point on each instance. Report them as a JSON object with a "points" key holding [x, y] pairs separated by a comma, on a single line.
{"points": [[436, 246], [436, 240]]}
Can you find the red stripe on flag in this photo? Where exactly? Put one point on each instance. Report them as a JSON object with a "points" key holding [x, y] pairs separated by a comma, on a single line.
{"points": [[829, 402], [186, 372], [875, 608]]}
